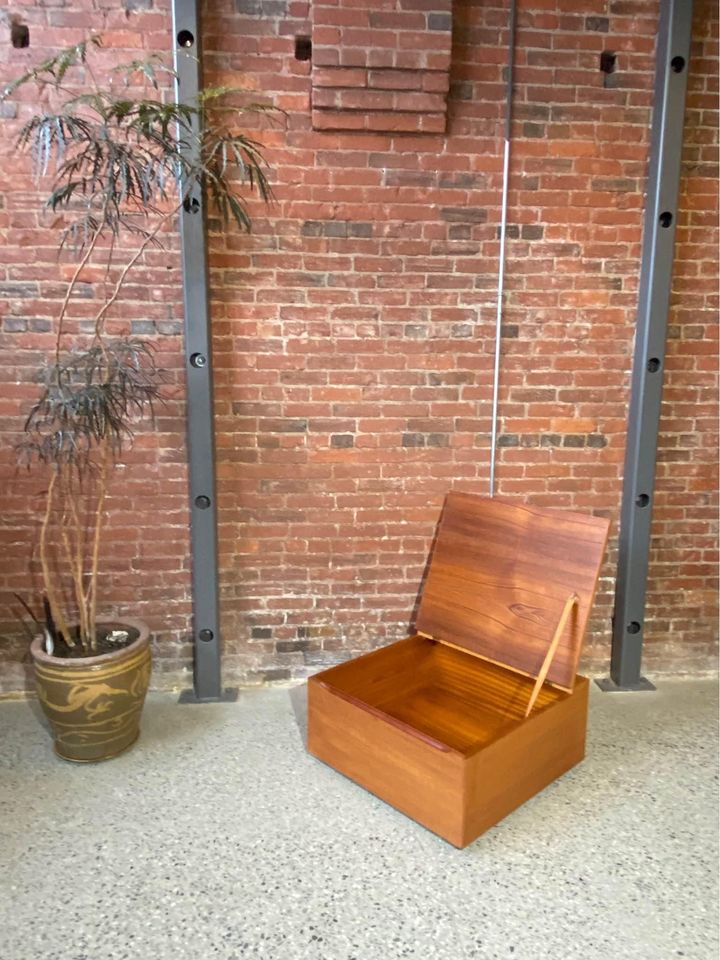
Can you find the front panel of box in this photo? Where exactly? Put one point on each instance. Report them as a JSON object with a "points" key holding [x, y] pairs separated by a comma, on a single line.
{"points": [[456, 795], [407, 770]]}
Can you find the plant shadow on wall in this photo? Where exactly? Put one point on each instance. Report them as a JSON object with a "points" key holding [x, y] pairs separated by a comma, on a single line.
{"points": [[119, 161]]}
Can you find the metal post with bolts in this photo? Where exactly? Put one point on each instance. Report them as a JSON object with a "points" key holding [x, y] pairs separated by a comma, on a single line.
{"points": [[673, 53], [200, 427]]}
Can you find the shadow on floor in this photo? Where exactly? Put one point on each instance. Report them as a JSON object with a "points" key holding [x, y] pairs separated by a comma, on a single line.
{"points": [[298, 700]]}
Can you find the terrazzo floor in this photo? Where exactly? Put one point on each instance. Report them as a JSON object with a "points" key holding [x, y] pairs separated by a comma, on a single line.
{"points": [[217, 836]]}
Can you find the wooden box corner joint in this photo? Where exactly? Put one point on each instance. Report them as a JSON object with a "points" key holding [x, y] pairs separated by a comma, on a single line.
{"points": [[481, 708]]}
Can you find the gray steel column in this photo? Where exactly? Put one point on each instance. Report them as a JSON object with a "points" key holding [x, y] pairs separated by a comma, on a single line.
{"points": [[200, 429], [673, 52]]}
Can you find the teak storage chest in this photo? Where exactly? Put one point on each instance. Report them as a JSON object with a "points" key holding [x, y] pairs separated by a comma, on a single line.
{"points": [[479, 710]]}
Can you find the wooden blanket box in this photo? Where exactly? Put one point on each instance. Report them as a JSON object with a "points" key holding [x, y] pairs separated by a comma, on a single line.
{"points": [[481, 709]]}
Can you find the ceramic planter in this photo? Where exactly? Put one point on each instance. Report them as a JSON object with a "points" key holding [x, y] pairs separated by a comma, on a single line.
{"points": [[94, 703]]}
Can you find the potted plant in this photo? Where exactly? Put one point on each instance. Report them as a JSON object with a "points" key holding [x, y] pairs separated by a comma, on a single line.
{"points": [[119, 162]]}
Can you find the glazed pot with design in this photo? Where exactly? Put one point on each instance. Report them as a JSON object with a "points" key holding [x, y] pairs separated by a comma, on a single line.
{"points": [[94, 703]]}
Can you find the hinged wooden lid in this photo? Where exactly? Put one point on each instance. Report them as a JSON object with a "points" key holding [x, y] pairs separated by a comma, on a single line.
{"points": [[500, 575]]}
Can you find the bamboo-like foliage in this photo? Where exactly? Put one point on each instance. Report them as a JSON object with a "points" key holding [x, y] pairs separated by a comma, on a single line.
{"points": [[116, 160], [116, 165], [89, 399]]}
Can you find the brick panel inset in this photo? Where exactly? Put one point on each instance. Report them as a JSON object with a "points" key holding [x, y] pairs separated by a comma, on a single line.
{"points": [[381, 66]]}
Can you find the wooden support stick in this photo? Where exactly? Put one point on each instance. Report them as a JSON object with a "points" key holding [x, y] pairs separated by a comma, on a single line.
{"points": [[571, 602]]}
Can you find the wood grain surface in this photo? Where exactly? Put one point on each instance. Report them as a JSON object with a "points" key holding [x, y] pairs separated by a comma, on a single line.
{"points": [[500, 575], [388, 759], [436, 693], [441, 735], [515, 767]]}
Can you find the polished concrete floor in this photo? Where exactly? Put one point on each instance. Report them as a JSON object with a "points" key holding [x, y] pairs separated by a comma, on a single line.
{"points": [[217, 836]]}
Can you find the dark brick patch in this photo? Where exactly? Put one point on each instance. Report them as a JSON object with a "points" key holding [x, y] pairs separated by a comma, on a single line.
{"points": [[532, 231], [261, 633], [518, 440], [532, 111], [621, 184], [274, 673], [305, 279], [15, 324], [440, 21], [413, 440], [18, 291], [169, 328], [416, 331], [461, 331], [292, 646], [509, 331], [460, 231], [142, 327], [410, 178], [336, 228], [262, 8], [296, 426], [340, 440], [567, 250], [39, 325], [461, 91], [463, 214], [597, 24], [359, 229], [613, 81], [462, 181], [534, 130]]}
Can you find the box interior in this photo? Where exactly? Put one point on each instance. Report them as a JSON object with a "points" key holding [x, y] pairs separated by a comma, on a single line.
{"points": [[451, 696]]}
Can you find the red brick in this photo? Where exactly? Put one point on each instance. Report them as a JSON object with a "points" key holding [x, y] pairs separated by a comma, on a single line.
{"points": [[339, 77], [396, 79]]}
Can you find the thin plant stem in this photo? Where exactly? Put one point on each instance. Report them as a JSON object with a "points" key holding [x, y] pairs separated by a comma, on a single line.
{"points": [[100, 316], [55, 606], [72, 557], [91, 595], [68, 293], [78, 574]]}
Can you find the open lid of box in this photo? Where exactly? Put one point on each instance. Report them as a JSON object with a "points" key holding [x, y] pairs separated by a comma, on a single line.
{"points": [[500, 575]]}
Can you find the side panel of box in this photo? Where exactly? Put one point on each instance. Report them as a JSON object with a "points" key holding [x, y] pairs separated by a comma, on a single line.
{"points": [[517, 766], [409, 772]]}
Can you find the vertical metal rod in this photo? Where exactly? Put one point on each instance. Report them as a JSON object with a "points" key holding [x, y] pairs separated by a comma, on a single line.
{"points": [[503, 231], [673, 52], [200, 432]]}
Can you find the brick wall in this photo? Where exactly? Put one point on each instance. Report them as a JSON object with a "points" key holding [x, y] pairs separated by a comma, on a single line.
{"points": [[353, 330]]}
